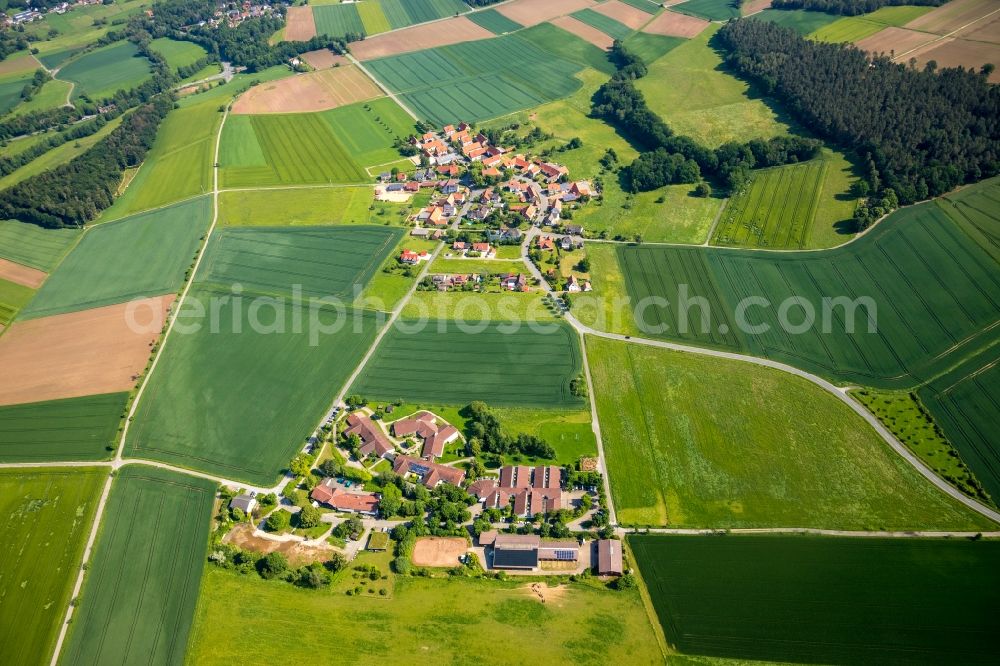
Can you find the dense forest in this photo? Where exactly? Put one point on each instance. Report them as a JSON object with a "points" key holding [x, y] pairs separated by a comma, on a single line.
{"points": [[76, 192], [679, 159], [924, 132], [849, 7]]}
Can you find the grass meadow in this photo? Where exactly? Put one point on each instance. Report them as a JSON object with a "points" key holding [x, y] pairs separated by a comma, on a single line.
{"points": [[494, 21], [144, 255], [47, 516], [934, 291], [53, 94], [446, 620], [438, 362], [142, 584], [651, 47], [773, 451], [31, 245], [13, 296], [103, 72], [70, 429], [473, 307], [824, 600], [296, 207]]}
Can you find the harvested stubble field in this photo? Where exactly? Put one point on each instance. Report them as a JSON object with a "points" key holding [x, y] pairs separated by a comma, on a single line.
{"points": [[531, 12], [672, 24], [315, 91], [142, 584], [935, 291], [323, 59], [898, 40], [203, 410], [25, 276], [960, 53], [451, 31], [143, 255], [824, 600], [438, 362], [77, 354], [439, 551], [47, 516], [320, 261], [72, 429], [759, 458], [953, 15], [33, 246], [300, 25], [588, 32]]}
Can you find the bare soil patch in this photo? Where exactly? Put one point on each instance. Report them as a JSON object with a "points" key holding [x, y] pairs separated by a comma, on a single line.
{"points": [[295, 551], [545, 594], [952, 52], [300, 26], [672, 24], [25, 63], [14, 272], [419, 37], [584, 31], [438, 551], [533, 12], [987, 30], [324, 59], [627, 14], [315, 91], [953, 15], [754, 6], [897, 40], [80, 353]]}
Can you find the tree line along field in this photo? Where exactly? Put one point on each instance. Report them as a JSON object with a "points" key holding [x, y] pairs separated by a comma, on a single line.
{"points": [[584, 624], [144, 255], [70, 429], [756, 459], [142, 583], [439, 362], [103, 72], [47, 516], [488, 78], [824, 600], [320, 261], [494, 21], [935, 289]]}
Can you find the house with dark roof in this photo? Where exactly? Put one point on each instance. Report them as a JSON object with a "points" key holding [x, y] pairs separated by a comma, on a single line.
{"points": [[244, 503], [526, 551]]}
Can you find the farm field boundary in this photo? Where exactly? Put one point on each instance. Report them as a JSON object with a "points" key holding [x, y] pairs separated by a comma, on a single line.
{"points": [[72, 429]]}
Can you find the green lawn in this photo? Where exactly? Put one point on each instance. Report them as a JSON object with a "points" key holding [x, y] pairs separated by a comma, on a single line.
{"points": [[34, 246], [824, 600], [144, 255], [47, 517], [70, 429], [177, 53], [494, 21], [693, 94], [758, 458], [296, 207], [142, 584], [204, 410], [438, 361], [445, 620], [103, 72], [13, 296], [369, 130]]}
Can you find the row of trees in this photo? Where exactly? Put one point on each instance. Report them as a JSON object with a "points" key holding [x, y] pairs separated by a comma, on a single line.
{"points": [[10, 163], [679, 159], [486, 434], [924, 132], [849, 7]]}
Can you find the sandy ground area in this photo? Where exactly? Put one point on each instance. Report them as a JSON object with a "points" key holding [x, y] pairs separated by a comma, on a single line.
{"points": [[754, 6], [315, 91], [80, 353], [627, 14], [300, 26], [395, 197], [673, 24], [953, 15], [323, 59], [26, 275], [419, 37], [532, 12], [584, 31], [959, 52], [898, 40], [297, 553], [545, 594], [438, 551]]}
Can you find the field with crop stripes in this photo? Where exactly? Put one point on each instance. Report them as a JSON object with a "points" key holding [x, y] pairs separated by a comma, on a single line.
{"points": [[31, 245], [825, 600], [645, 5], [605, 24], [479, 80], [438, 362], [402, 13], [71, 429], [775, 210], [934, 291], [321, 261], [337, 20], [494, 21], [13, 296], [103, 72], [139, 595], [280, 149], [373, 18]]}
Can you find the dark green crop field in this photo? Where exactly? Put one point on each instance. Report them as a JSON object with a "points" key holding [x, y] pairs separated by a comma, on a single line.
{"points": [[934, 292], [494, 21], [321, 261], [71, 429], [402, 13], [825, 600], [337, 20], [139, 595], [605, 24], [31, 245], [438, 362]]}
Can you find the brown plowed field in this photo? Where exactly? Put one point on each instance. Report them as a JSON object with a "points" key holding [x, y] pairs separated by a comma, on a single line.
{"points": [[419, 37], [80, 353], [584, 31], [300, 26], [899, 40], [619, 11], [959, 52], [323, 59], [315, 91], [29, 277], [754, 6], [438, 551], [987, 30], [673, 24], [952, 16], [533, 12]]}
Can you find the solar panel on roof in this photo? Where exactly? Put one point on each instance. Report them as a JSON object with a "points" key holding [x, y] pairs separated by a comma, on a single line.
{"points": [[566, 555]]}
